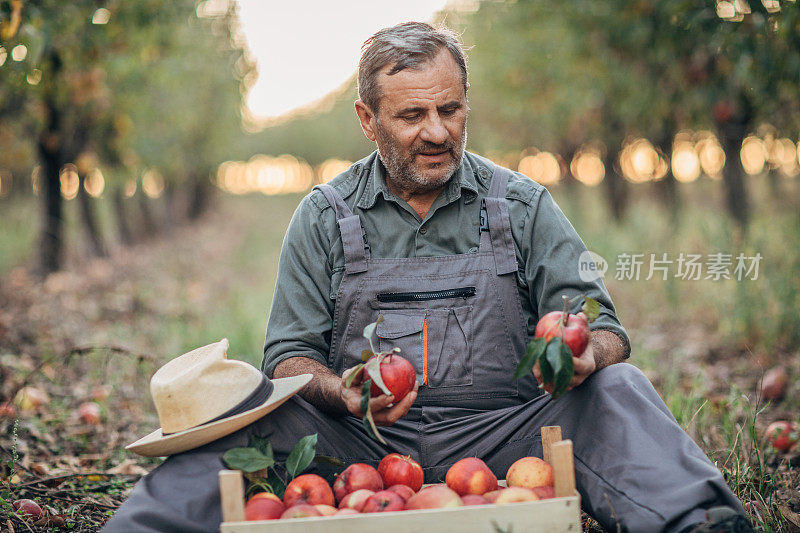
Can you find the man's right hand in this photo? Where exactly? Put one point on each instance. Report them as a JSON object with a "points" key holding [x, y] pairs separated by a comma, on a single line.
{"points": [[384, 411]]}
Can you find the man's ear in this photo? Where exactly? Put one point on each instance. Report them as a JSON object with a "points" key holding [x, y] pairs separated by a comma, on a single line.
{"points": [[367, 119]]}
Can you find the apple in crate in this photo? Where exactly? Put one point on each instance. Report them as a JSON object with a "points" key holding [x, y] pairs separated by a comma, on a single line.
{"points": [[470, 476], [403, 490], [516, 494], [530, 472], [396, 469], [384, 501], [302, 510], [354, 477], [545, 492], [474, 499], [434, 497], [356, 499], [310, 489], [325, 510], [346, 511], [263, 507]]}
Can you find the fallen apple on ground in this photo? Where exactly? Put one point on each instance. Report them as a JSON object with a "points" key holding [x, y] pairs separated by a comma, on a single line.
{"points": [[89, 413], [783, 435], [28, 509]]}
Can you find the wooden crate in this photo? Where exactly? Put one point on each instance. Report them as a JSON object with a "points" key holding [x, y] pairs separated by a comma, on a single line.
{"points": [[559, 514]]}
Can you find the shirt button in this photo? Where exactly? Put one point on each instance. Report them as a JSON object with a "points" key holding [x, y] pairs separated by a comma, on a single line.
{"points": [[423, 230]]}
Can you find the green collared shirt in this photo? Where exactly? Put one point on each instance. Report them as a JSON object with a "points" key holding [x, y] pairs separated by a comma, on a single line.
{"points": [[312, 258]]}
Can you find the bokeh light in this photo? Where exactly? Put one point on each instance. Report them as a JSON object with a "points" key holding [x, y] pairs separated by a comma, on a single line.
{"points": [[94, 183], [129, 189], [3, 56], [753, 155], [69, 181], [711, 154], [685, 162], [542, 168], [152, 183], [266, 174], [587, 166], [101, 16], [332, 168], [19, 52]]}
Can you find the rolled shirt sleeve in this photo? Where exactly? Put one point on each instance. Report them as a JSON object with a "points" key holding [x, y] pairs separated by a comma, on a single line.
{"points": [[302, 311], [551, 251]]}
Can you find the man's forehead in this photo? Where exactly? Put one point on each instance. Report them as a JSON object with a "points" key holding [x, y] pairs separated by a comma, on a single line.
{"points": [[436, 79]]}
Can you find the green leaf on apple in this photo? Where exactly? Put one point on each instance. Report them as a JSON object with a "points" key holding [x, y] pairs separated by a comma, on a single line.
{"points": [[545, 368], [247, 459], [277, 486], [369, 422], [532, 353], [373, 368], [348, 382], [591, 308], [327, 459], [559, 356], [369, 331], [301, 455]]}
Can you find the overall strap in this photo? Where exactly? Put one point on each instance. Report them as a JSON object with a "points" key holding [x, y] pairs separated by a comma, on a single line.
{"points": [[353, 238], [499, 234]]}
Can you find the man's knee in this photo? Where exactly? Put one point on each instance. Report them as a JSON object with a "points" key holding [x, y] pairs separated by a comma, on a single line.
{"points": [[613, 377]]}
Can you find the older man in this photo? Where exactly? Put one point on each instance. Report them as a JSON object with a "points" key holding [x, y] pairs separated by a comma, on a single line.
{"points": [[461, 257]]}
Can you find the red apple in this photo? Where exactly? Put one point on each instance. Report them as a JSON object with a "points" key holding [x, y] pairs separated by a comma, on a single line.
{"points": [[434, 497], [398, 375], [356, 499], [89, 413], [308, 488], [28, 509], [404, 491], [773, 386], [576, 331], [396, 469], [516, 494], [354, 477], [530, 472], [492, 495], [474, 499], [783, 435], [263, 508], [471, 476], [325, 510], [302, 510], [545, 492], [384, 501]]}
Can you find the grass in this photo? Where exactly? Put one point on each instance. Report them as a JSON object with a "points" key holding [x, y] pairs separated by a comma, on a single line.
{"points": [[188, 291]]}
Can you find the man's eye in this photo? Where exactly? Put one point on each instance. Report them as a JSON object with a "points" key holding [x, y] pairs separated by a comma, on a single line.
{"points": [[449, 112], [412, 117]]}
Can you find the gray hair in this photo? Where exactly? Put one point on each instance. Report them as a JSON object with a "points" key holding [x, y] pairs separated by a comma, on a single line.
{"points": [[406, 45]]}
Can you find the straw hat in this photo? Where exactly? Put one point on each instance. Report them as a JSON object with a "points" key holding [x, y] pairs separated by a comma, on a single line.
{"points": [[202, 395]]}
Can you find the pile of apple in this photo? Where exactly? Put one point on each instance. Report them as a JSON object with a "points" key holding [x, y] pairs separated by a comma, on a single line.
{"points": [[396, 485]]}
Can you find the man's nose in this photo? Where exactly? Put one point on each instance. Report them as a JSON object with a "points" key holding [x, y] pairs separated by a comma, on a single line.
{"points": [[433, 130]]}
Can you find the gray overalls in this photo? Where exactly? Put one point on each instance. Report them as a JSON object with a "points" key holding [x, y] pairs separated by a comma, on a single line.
{"points": [[458, 320]]}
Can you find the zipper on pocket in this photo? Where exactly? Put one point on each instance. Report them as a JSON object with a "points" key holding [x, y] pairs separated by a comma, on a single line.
{"points": [[462, 292]]}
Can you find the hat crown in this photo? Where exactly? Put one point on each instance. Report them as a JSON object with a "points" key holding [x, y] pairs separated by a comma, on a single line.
{"points": [[201, 385]]}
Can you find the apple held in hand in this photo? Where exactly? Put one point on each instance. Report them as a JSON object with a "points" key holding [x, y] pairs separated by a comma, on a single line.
{"points": [[575, 331], [396, 469], [398, 375]]}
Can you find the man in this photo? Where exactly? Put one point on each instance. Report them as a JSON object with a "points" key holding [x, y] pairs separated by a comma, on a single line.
{"points": [[461, 257]]}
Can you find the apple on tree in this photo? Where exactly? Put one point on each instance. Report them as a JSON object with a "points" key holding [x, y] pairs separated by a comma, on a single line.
{"points": [[559, 336]]}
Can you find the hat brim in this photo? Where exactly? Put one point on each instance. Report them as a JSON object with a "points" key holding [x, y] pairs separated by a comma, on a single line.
{"points": [[157, 444]]}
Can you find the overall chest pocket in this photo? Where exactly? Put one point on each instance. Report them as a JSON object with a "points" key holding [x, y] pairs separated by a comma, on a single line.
{"points": [[437, 341]]}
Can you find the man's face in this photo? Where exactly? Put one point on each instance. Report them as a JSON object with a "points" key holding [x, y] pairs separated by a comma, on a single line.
{"points": [[421, 124]]}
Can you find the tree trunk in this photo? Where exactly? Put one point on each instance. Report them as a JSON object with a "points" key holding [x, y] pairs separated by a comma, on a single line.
{"points": [[201, 195], [120, 213], [148, 220], [616, 187], [51, 244], [97, 247], [732, 134]]}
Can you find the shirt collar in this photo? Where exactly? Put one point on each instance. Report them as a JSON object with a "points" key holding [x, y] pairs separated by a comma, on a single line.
{"points": [[463, 179]]}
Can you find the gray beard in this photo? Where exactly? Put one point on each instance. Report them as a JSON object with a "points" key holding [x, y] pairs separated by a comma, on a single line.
{"points": [[401, 171]]}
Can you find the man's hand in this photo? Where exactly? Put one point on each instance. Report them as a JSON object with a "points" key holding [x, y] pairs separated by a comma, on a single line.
{"points": [[384, 412], [584, 365]]}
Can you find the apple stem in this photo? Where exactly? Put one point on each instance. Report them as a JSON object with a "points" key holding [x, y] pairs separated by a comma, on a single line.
{"points": [[565, 315]]}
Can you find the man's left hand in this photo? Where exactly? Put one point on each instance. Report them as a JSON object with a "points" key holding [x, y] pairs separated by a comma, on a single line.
{"points": [[584, 365]]}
